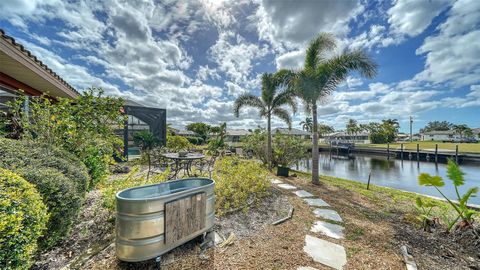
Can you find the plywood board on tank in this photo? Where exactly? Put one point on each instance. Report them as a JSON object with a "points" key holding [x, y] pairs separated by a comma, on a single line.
{"points": [[184, 217]]}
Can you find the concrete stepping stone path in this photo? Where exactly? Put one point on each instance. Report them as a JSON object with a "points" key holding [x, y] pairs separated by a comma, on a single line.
{"points": [[327, 214], [322, 251], [303, 193], [325, 252], [287, 186], [317, 202], [275, 181], [328, 229]]}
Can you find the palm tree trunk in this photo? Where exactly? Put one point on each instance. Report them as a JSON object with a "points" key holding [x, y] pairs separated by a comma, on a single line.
{"points": [[269, 141], [315, 179]]}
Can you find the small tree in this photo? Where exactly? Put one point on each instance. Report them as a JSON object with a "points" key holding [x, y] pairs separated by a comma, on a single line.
{"points": [[147, 141]]}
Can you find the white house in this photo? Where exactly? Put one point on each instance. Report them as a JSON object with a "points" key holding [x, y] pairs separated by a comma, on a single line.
{"points": [[361, 137], [234, 136], [440, 135]]}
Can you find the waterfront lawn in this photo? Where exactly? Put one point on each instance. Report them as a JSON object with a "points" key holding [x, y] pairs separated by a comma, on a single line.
{"points": [[430, 145]]}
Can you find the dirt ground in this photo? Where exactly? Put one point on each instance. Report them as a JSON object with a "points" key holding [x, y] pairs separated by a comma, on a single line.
{"points": [[374, 229]]}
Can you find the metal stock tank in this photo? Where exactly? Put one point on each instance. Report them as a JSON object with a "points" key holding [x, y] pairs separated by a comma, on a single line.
{"points": [[153, 219]]}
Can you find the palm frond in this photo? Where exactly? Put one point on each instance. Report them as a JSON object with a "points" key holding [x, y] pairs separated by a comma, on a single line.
{"points": [[284, 115], [287, 97], [247, 100], [318, 46]]}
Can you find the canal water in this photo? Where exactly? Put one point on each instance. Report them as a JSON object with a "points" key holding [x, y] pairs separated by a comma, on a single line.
{"points": [[393, 173]]}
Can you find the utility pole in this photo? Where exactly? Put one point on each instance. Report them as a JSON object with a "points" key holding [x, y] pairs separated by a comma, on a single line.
{"points": [[411, 122]]}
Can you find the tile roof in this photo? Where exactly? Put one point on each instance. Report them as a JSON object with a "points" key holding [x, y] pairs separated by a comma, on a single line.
{"points": [[22, 49]]}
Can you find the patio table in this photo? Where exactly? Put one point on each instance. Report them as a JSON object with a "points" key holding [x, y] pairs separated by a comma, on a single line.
{"points": [[183, 162]]}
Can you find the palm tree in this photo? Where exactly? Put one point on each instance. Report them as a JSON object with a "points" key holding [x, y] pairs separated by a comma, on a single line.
{"points": [[307, 124], [352, 127], [321, 76], [324, 129], [270, 103]]}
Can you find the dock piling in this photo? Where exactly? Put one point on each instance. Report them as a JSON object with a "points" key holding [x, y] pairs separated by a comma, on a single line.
{"points": [[456, 153], [401, 151], [388, 151], [436, 153], [418, 152], [368, 182]]}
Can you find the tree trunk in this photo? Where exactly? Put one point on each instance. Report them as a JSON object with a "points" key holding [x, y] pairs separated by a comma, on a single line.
{"points": [[269, 141], [315, 179]]}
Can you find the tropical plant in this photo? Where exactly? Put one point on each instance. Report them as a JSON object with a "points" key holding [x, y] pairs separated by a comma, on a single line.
{"points": [[177, 143], [147, 141], [324, 129], [287, 150], [437, 126], [23, 218], [307, 124], [455, 174], [217, 143], [270, 103], [321, 76], [256, 143], [84, 126], [201, 129], [425, 209], [462, 130]]}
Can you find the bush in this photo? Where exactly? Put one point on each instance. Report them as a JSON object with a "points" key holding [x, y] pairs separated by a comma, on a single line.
{"points": [[238, 184], [177, 143], [133, 179], [22, 221], [287, 150], [16, 155], [98, 165], [63, 203]]}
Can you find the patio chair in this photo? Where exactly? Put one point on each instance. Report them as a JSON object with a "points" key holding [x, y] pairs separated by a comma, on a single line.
{"points": [[206, 165]]}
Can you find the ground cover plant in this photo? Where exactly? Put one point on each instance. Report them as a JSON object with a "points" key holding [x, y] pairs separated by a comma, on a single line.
{"points": [[238, 184], [23, 218]]}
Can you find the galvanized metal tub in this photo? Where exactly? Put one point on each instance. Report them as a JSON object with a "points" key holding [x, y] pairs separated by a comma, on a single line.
{"points": [[141, 224]]}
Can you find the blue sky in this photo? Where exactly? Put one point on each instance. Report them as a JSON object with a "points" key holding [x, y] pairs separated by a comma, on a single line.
{"points": [[195, 57]]}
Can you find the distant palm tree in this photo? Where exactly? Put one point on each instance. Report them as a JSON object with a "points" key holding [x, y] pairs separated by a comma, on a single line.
{"points": [[307, 124], [461, 129], [324, 129], [352, 127], [270, 103], [321, 76]]}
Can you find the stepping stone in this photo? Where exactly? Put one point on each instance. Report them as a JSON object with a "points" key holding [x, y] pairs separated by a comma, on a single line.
{"points": [[324, 252], [328, 229], [275, 181], [306, 268], [327, 214], [303, 193], [287, 186], [317, 202]]}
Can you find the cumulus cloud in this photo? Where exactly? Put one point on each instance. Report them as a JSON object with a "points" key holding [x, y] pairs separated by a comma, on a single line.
{"points": [[411, 17]]}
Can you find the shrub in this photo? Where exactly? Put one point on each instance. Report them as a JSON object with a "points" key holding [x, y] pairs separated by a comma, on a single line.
{"points": [[133, 179], [257, 144], [63, 203], [84, 126], [238, 184], [22, 221], [16, 155], [287, 150], [177, 143]]}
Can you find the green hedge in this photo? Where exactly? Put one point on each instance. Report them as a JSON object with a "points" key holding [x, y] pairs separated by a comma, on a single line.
{"points": [[63, 202], [22, 221], [60, 177], [16, 155]]}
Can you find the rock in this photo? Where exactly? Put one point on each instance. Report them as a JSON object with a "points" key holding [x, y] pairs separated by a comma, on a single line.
{"points": [[316, 202], [167, 259], [327, 214], [303, 193], [217, 238], [325, 252], [287, 186], [328, 229]]}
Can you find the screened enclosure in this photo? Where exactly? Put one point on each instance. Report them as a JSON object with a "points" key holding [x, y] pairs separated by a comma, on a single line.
{"points": [[142, 118]]}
